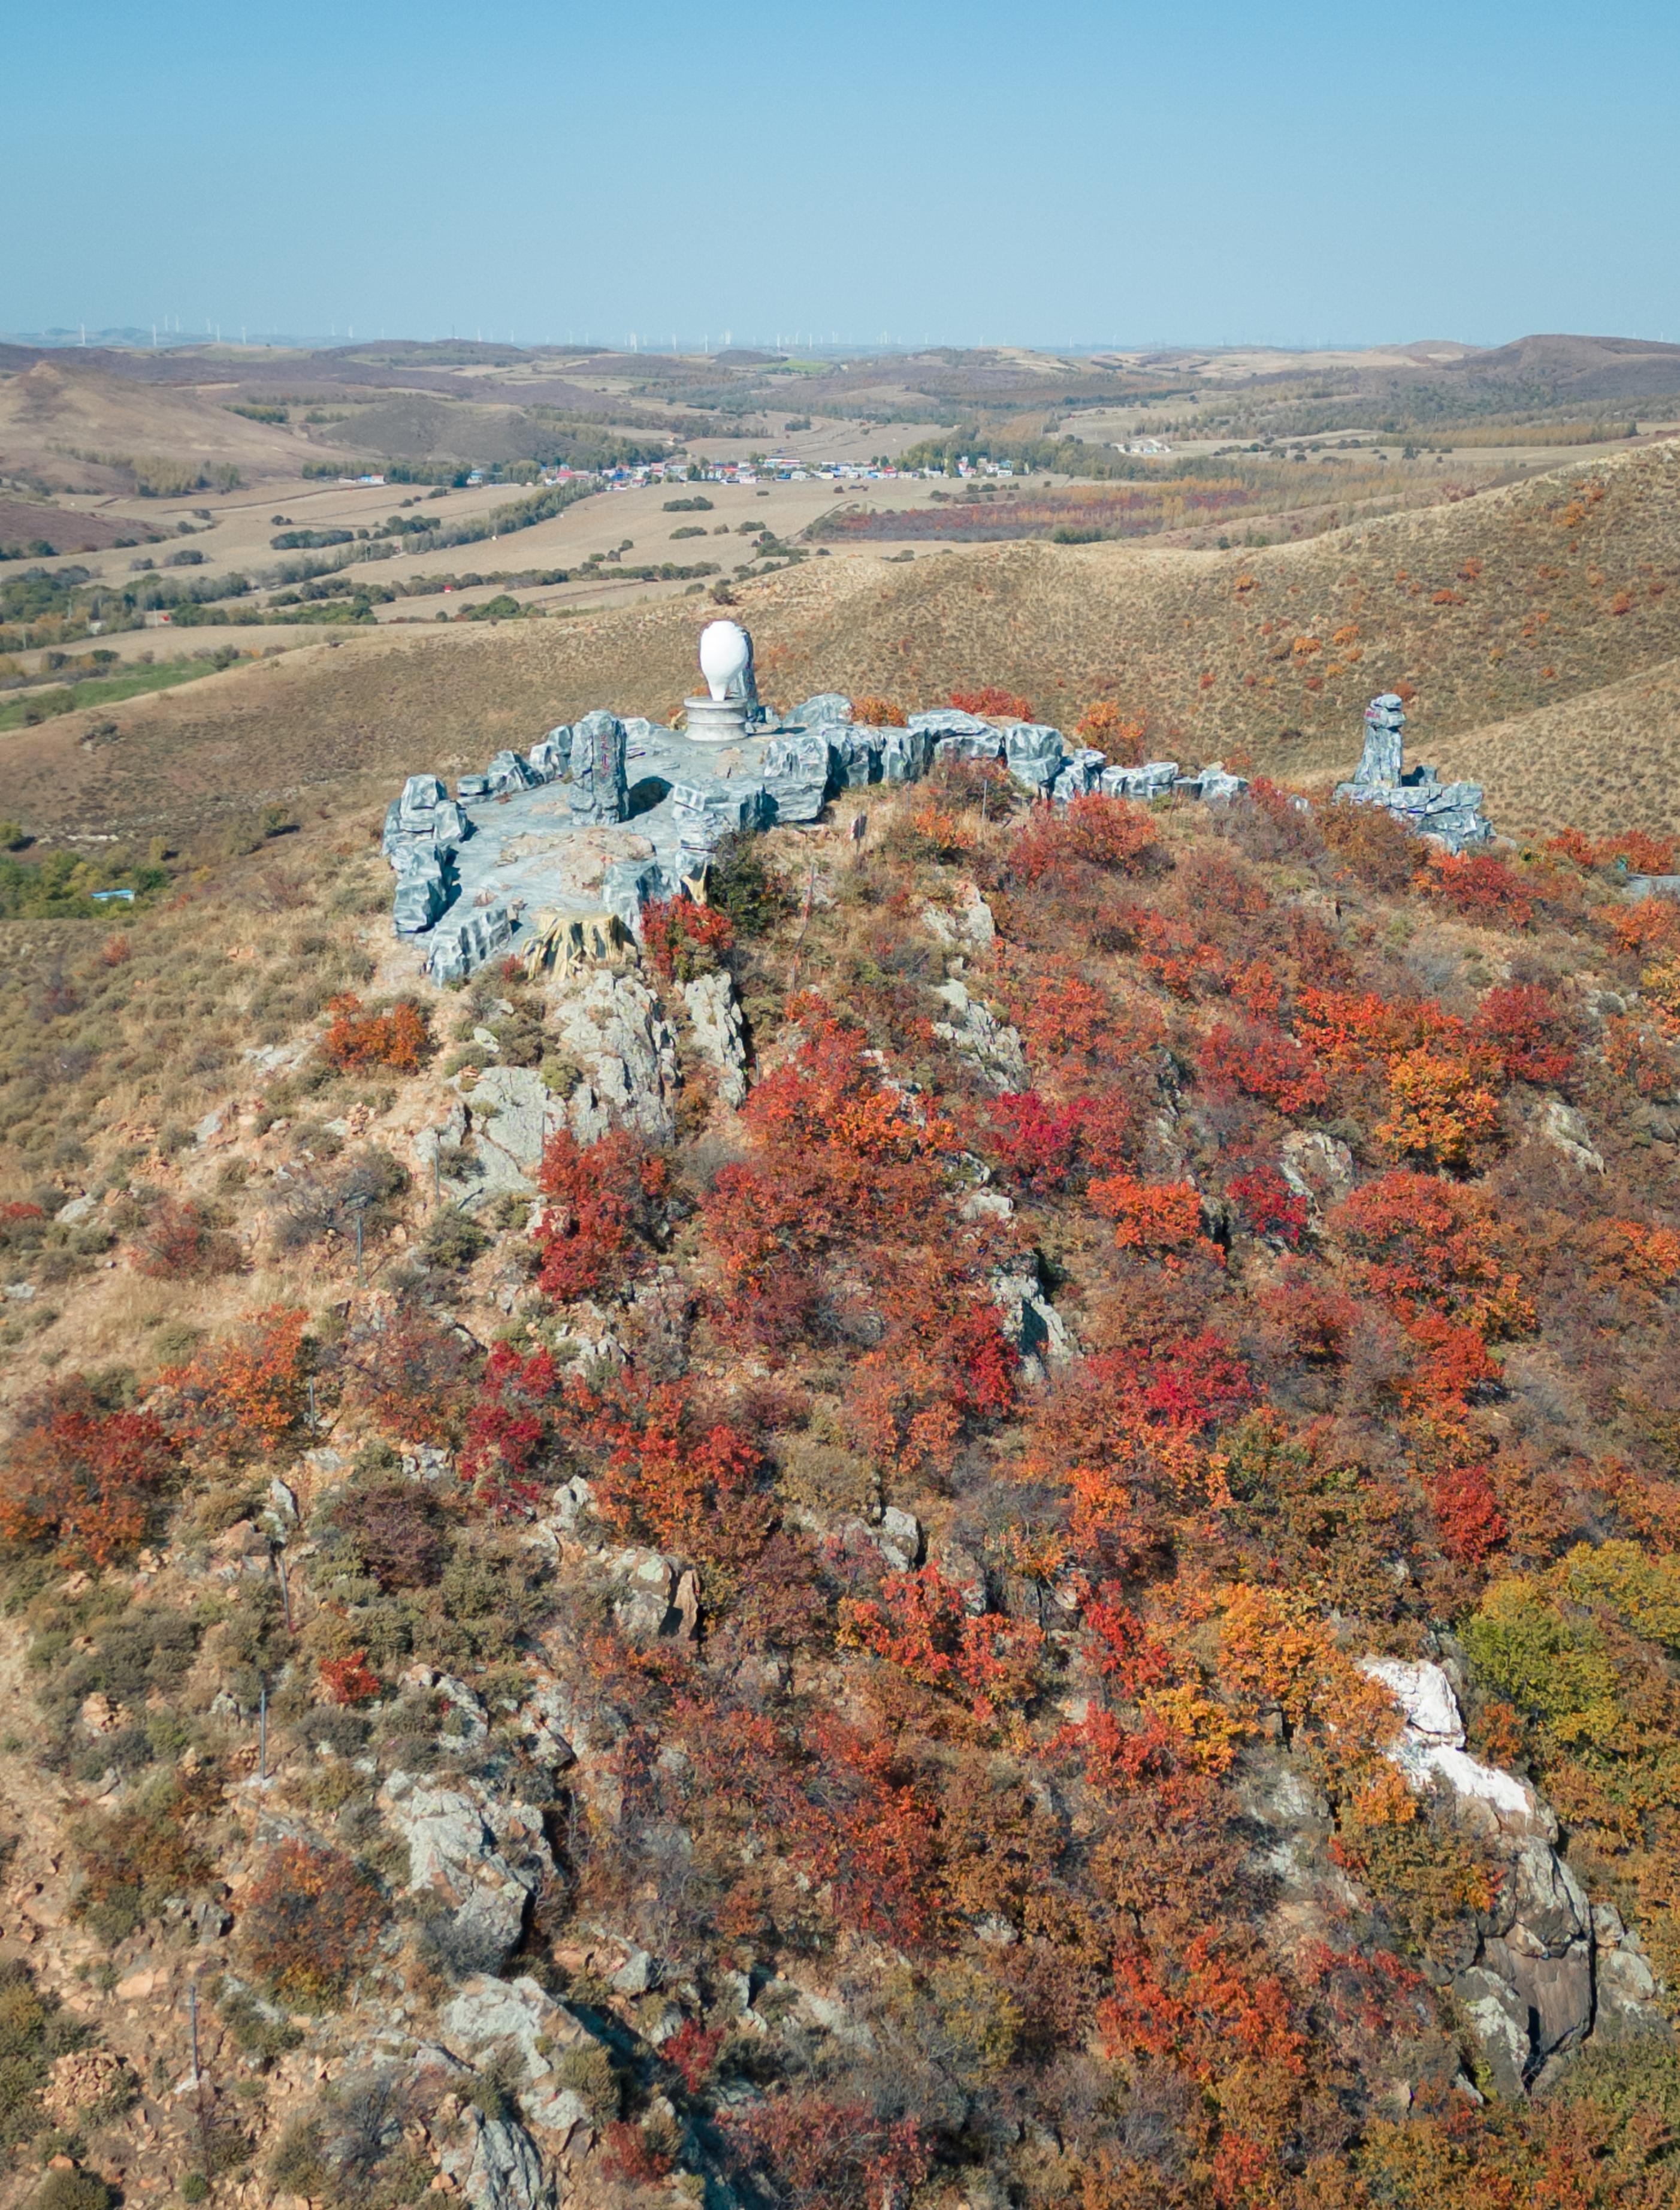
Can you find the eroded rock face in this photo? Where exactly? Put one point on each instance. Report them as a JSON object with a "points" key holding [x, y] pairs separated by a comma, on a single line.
{"points": [[719, 1035], [517, 2016], [1531, 1993], [499, 2167], [484, 1853], [612, 1026], [993, 1049]]}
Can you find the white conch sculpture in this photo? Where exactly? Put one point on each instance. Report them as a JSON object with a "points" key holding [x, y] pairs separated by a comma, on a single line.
{"points": [[725, 655]]}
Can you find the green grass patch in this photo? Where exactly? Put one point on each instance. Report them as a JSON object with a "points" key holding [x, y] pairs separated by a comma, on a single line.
{"points": [[27, 708]]}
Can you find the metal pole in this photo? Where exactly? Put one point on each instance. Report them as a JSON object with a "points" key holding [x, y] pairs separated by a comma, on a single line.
{"points": [[358, 1248], [192, 2013], [262, 1734], [312, 1418], [285, 1592]]}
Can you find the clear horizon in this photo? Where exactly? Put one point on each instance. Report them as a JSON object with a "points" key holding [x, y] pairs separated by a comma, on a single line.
{"points": [[906, 175]]}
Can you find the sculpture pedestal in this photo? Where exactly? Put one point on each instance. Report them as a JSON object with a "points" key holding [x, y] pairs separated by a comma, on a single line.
{"points": [[714, 721]]}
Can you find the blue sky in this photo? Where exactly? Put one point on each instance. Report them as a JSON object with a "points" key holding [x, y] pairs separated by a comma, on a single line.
{"points": [[912, 169]]}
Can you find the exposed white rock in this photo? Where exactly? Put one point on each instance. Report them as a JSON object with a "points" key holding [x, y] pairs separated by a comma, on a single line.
{"points": [[1431, 1747]]}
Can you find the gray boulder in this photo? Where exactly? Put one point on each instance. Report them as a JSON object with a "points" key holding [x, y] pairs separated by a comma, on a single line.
{"points": [[827, 709], [1154, 779], [504, 2171], [1497, 2017], [551, 757], [422, 894], [707, 813], [1382, 758], [482, 1855], [858, 757], [1035, 754], [629, 886], [508, 772], [798, 768], [463, 947], [905, 755]]}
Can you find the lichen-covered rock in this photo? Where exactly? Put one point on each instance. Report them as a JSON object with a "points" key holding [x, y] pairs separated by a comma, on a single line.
{"points": [[719, 1035], [1564, 1127]]}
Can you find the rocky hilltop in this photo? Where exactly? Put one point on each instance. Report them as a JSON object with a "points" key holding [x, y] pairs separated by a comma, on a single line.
{"points": [[965, 1494]]}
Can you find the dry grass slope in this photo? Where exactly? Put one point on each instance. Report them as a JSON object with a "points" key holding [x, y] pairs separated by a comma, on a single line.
{"points": [[1554, 605]]}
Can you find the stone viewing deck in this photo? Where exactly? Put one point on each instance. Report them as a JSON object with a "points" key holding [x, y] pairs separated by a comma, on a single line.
{"points": [[600, 819]]}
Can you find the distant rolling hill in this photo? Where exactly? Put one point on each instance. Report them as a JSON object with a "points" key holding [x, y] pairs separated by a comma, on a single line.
{"points": [[1535, 631]]}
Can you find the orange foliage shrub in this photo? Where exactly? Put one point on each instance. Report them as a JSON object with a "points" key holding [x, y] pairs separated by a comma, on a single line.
{"points": [[995, 705], [1154, 1217], [1098, 831], [83, 1477], [1427, 1246], [1467, 1513], [247, 1394], [1104, 726], [307, 1920], [922, 1627], [879, 713], [396, 1040], [1438, 1110]]}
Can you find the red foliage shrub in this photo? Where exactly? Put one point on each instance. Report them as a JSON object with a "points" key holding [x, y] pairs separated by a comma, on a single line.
{"points": [[1094, 831], [605, 1209], [511, 1429], [350, 1679], [692, 2052], [1481, 888], [306, 1922], [1640, 852], [922, 1627], [1268, 1204], [1467, 1513], [116, 951], [684, 939], [1529, 1031], [802, 2152], [178, 1243], [1035, 1141], [397, 1041], [1262, 1062], [995, 705], [628, 2154], [674, 1477], [86, 1478]]}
